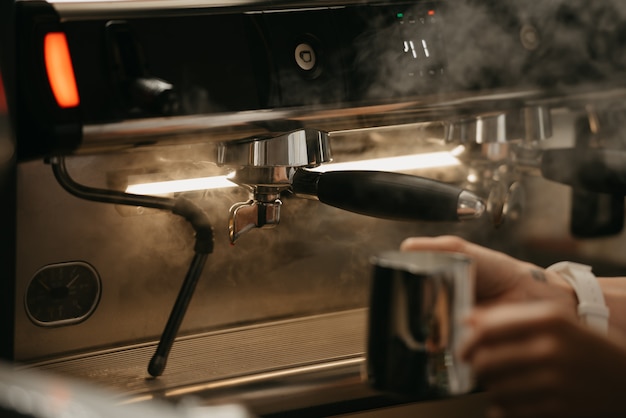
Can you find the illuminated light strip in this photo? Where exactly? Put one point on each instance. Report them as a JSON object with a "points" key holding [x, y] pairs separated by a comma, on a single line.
{"points": [[60, 70], [177, 186], [403, 163]]}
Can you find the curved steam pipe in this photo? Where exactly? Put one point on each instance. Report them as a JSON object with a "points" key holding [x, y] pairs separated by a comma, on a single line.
{"points": [[179, 206]]}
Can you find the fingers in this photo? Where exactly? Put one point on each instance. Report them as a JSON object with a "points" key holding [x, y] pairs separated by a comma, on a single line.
{"points": [[494, 263], [441, 243], [512, 356], [516, 354], [527, 393], [497, 272], [520, 370], [534, 361], [538, 393], [499, 277], [513, 323]]}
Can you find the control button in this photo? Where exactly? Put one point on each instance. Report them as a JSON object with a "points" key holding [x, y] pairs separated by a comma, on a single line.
{"points": [[305, 56]]}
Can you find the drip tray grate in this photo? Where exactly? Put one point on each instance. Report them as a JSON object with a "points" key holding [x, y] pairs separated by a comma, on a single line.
{"points": [[202, 360]]}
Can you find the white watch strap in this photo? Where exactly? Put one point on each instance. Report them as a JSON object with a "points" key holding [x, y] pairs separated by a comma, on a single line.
{"points": [[591, 306]]}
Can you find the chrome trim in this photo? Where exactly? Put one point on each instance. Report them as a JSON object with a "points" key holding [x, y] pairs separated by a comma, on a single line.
{"points": [[299, 148], [86, 9], [350, 363], [221, 127]]}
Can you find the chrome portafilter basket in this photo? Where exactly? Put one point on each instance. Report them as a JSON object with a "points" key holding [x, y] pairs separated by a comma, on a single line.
{"points": [[496, 142], [265, 166]]}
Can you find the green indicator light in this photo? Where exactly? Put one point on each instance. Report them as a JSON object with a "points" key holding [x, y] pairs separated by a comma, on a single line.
{"points": [[399, 15]]}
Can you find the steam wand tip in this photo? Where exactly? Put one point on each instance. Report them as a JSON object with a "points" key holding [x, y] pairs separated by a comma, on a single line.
{"points": [[157, 365]]}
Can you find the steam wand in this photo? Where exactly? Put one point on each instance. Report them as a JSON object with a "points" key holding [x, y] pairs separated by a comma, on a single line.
{"points": [[179, 206]]}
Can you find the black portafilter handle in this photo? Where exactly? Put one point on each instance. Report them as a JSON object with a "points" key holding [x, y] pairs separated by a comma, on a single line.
{"points": [[595, 170], [389, 195]]}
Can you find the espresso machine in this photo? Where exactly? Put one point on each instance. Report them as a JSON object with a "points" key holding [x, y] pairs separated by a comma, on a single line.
{"points": [[193, 189]]}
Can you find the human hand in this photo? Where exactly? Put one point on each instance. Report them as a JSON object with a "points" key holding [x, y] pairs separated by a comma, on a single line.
{"points": [[528, 349], [534, 360], [499, 277]]}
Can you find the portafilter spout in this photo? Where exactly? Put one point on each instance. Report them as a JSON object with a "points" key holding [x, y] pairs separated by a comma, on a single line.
{"points": [[269, 166], [264, 167]]}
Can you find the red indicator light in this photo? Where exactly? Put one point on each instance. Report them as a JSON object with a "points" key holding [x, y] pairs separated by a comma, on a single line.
{"points": [[431, 13], [60, 70]]}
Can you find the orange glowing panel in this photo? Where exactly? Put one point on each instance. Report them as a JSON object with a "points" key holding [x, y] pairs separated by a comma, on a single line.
{"points": [[60, 70]]}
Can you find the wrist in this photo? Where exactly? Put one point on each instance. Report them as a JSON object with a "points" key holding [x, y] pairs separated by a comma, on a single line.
{"points": [[586, 292], [557, 289], [565, 290]]}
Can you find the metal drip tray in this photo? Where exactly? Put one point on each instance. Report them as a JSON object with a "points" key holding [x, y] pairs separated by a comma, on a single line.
{"points": [[273, 367]]}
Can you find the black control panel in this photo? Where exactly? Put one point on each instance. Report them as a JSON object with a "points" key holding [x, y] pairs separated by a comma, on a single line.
{"points": [[208, 60], [244, 61]]}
